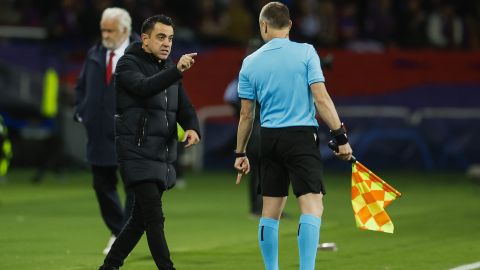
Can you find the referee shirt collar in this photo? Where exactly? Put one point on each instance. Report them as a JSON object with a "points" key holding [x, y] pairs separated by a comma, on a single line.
{"points": [[276, 43]]}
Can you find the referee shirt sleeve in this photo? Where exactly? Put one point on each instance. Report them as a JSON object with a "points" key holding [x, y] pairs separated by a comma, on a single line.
{"points": [[314, 69], [245, 88]]}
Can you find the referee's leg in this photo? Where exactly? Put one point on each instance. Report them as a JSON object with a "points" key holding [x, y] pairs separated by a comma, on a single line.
{"points": [[311, 207], [311, 204], [273, 207], [268, 230]]}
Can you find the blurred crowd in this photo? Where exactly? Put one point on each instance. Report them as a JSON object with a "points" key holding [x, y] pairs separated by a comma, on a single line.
{"points": [[363, 25]]}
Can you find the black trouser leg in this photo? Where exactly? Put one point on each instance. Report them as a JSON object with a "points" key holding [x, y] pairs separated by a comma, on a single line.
{"points": [[253, 153], [129, 204], [254, 197], [127, 239], [147, 215], [105, 184], [253, 186], [151, 205]]}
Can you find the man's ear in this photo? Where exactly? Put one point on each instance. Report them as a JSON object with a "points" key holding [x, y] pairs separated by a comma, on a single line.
{"points": [[263, 23], [144, 38]]}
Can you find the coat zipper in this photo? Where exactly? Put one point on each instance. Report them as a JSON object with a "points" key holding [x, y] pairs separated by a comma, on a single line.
{"points": [[166, 120], [142, 135]]}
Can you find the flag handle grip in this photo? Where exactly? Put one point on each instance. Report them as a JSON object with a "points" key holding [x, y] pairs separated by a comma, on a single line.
{"points": [[334, 146]]}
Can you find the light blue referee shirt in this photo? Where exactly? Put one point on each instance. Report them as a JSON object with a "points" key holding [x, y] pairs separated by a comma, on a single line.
{"points": [[278, 76]]}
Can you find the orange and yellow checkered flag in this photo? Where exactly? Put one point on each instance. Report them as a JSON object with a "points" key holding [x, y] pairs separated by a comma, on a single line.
{"points": [[370, 196]]}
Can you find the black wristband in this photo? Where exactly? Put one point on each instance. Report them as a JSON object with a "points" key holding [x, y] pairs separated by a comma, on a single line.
{"points": [[340, 135], [240, 154], [341, 139]]}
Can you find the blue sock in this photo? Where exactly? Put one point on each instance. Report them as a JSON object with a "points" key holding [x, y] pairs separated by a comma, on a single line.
{"points": [[308, 239], [268, 240]]}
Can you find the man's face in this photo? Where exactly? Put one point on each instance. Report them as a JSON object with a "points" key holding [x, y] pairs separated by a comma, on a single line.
{"points": [[112, 34], [159, 42]]}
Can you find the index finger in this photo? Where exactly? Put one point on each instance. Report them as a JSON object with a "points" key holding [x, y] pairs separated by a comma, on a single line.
{"points": [[191, 54], [239, 178]]}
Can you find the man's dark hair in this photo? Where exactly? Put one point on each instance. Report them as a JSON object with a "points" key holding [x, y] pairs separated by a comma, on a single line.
{"points": [[149, 23], [276, 15]]}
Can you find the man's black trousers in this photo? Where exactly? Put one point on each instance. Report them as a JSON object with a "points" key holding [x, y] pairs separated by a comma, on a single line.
{"points": [[147, 216], [105, 182]]}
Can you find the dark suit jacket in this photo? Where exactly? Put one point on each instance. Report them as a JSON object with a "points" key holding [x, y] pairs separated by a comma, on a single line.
{"points": [[95, 107]]}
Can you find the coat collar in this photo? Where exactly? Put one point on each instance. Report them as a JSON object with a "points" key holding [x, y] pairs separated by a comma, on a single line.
{"points": [[100, 52], [135, 48], [99, 55]]}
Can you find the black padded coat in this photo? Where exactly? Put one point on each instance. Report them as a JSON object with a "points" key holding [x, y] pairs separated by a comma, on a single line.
{"points": [[150, 100]]}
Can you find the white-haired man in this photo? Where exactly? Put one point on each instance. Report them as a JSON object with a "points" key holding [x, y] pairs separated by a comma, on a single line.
{"points": [[95, 109]]}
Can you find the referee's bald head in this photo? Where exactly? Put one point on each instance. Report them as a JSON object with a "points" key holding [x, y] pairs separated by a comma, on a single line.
{"points": [[276, 15]]}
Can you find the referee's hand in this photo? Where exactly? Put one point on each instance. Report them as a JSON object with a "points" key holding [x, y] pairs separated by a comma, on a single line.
{"points": [[344, 152], [242, 165]]}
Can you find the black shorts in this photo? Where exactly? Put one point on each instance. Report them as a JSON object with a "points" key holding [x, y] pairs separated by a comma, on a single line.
{"points": [[290, 155]]}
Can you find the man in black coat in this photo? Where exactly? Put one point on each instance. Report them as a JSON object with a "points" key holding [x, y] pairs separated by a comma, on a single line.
{"points": [[150, 100], [95, 109]]}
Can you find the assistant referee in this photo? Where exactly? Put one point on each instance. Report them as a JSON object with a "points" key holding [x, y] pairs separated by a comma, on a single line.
{"points": [[286, 79]]}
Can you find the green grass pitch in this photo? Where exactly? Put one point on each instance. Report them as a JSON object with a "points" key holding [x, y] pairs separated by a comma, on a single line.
{"points": [[56, 225]]}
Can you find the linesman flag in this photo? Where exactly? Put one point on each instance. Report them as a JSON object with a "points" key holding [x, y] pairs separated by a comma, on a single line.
{"points": [[370, 196]]}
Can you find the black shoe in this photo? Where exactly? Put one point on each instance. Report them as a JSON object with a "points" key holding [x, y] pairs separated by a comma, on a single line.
{"points": [[107, 268]]}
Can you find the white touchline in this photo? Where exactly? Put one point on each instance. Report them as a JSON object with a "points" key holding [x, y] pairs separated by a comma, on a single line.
{"points": [[471, 266]]}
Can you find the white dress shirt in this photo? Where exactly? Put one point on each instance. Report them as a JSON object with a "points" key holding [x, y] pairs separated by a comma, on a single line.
{"points": [[118, 53]]}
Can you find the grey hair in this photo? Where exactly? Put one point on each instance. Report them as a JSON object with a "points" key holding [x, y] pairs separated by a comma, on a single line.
{"points": [[120, 14]]}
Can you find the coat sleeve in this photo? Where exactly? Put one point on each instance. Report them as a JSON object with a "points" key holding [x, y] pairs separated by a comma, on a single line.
{"points": [[186, 115], [129, 75]]}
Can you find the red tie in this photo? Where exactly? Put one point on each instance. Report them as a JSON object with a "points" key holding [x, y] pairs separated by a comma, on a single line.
{"points": [[108, 74]]}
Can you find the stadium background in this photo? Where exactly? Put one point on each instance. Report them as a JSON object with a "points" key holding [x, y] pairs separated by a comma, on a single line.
{"points": [[405, 75]]}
